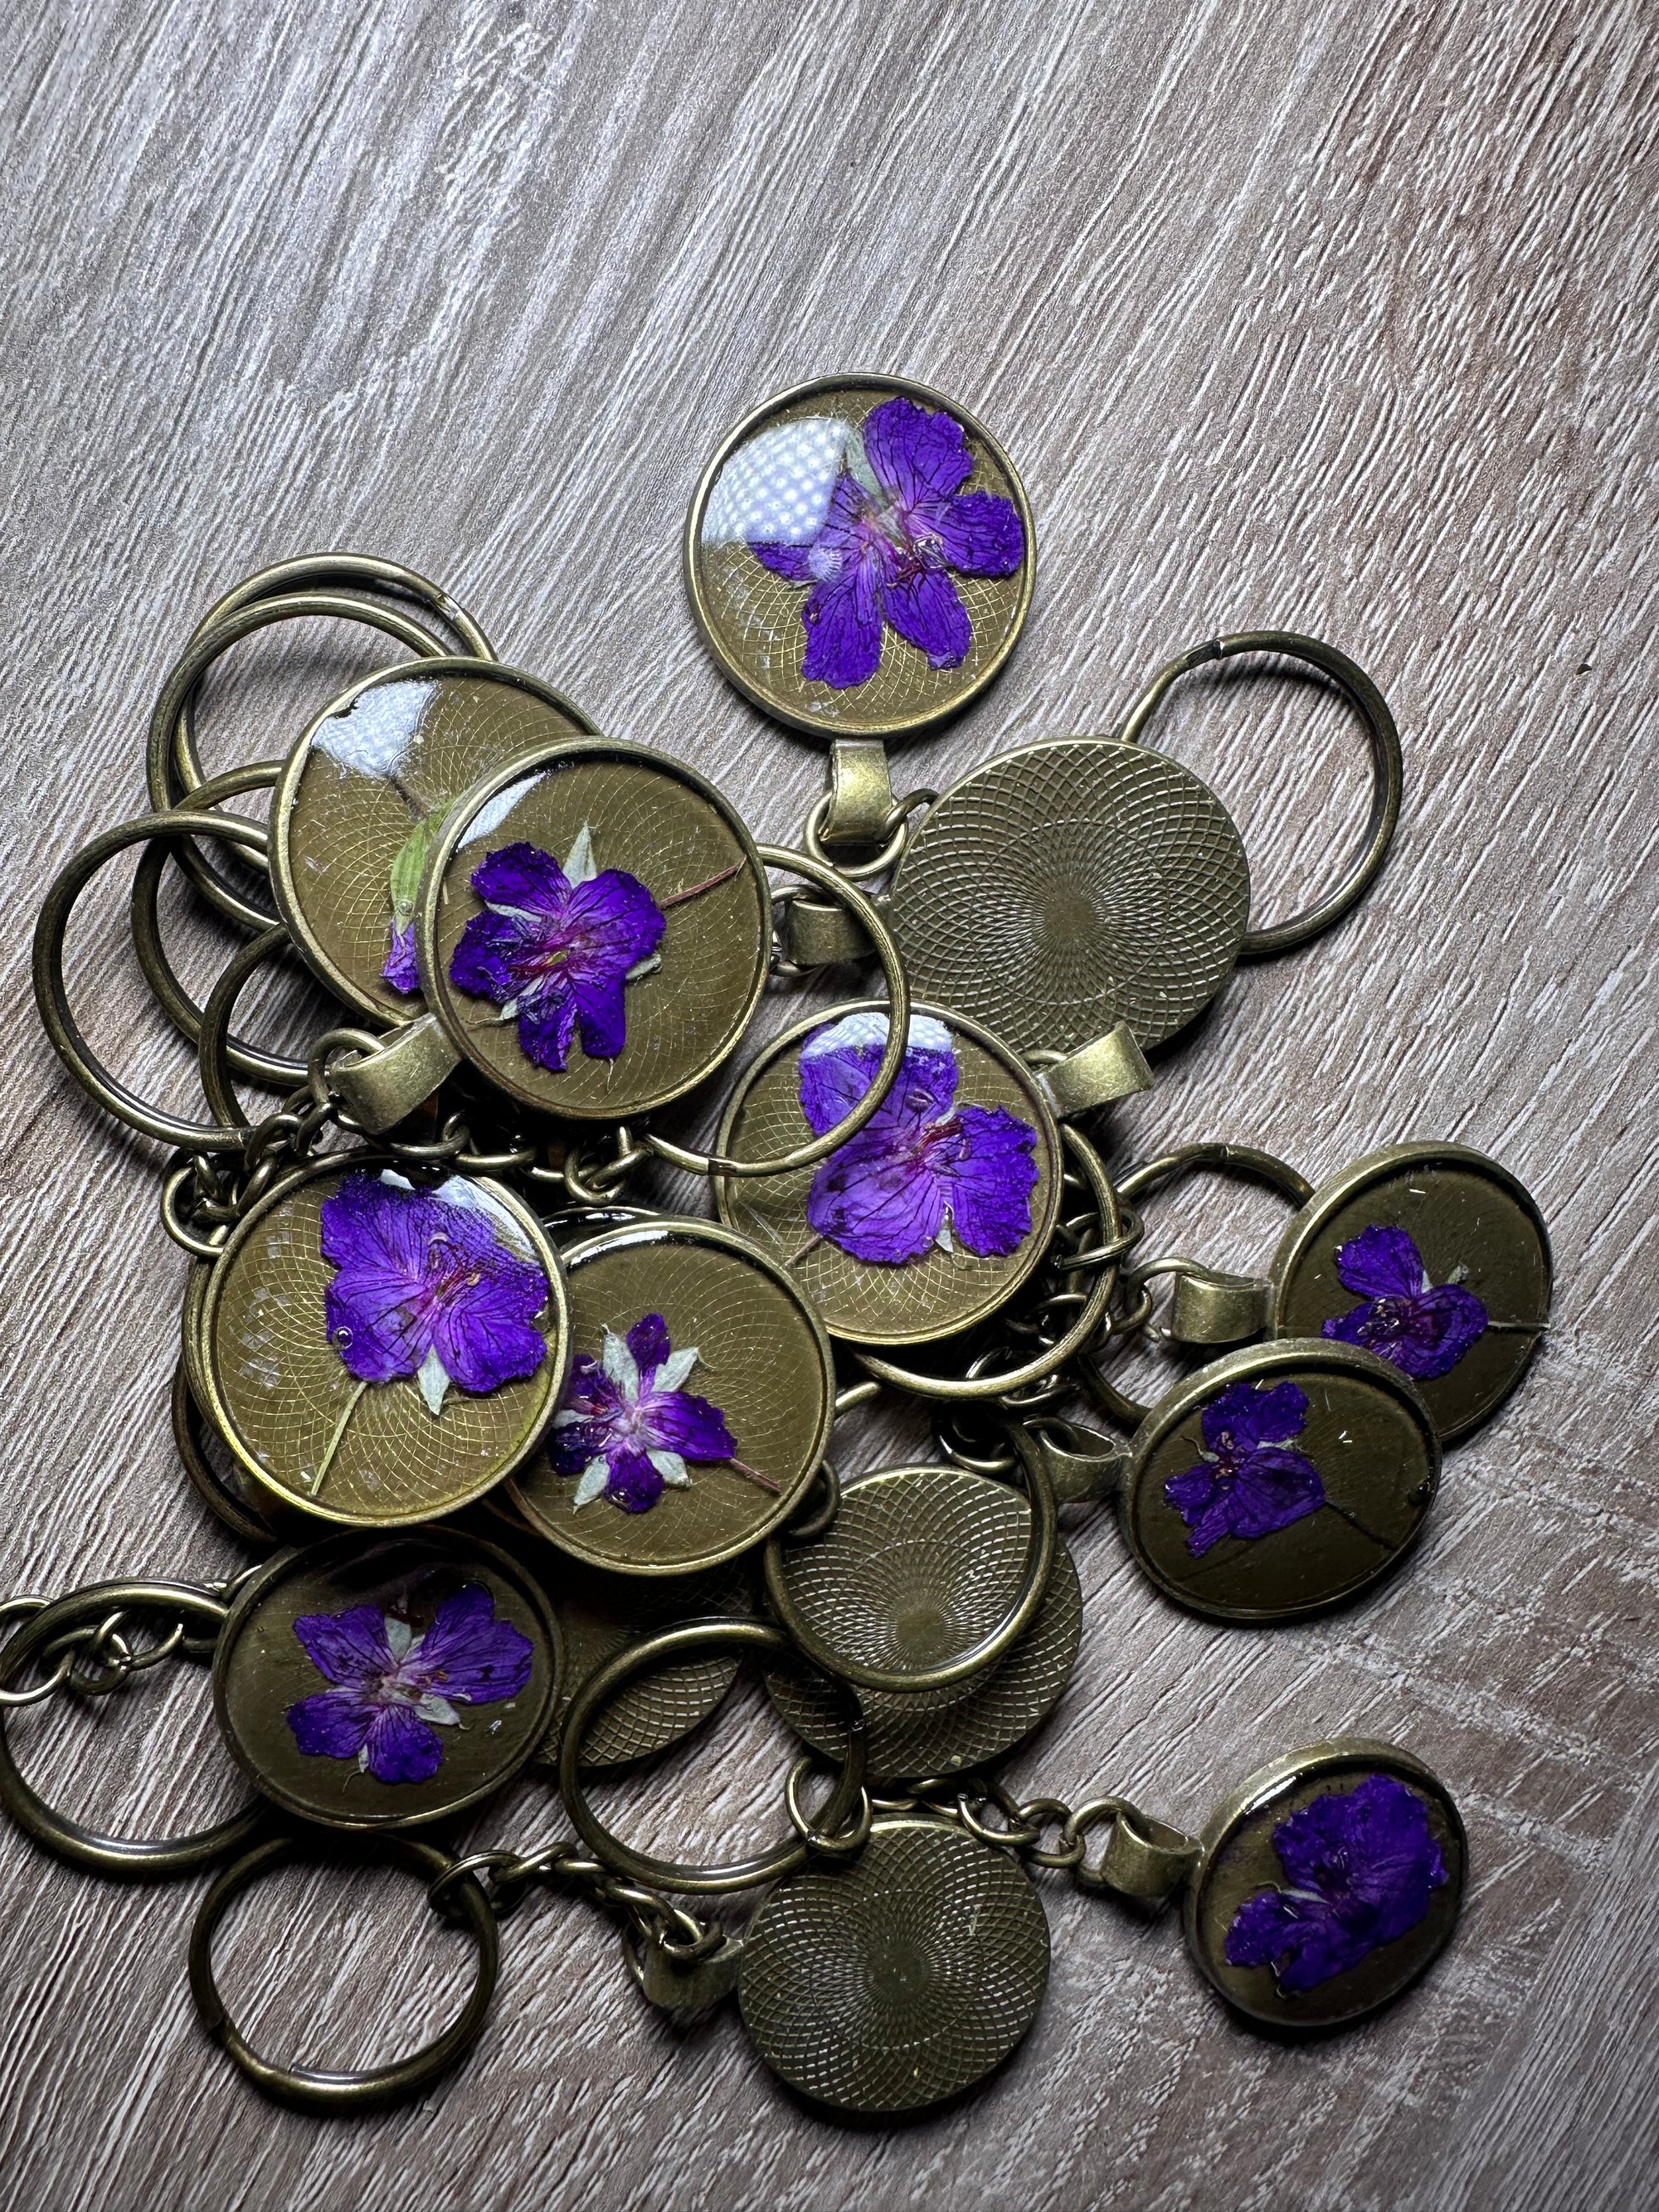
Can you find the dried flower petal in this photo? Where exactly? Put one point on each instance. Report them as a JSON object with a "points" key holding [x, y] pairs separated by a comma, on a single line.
{"points": [[1361, 1865], [626, 1427], [392, 1689], [1246, 1485], [1423, 1328]]}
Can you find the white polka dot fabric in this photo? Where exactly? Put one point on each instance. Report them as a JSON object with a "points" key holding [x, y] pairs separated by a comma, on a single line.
{"points": [[775, 489]]}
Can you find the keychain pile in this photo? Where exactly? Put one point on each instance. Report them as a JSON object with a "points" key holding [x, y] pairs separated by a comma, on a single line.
{"points": [[535, 1464]]}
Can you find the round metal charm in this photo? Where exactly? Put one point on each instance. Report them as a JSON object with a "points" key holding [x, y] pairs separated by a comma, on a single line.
{"points": [[1328, 1882], [859, 557], [364, 793], [598, 1614], [900, 1977], [932, 1216], [1281, 1479], [1066, 886], [918, 1564], [379, 1353], [594, 929], [698, 1407], [386, 1683], [1432, 1256]]}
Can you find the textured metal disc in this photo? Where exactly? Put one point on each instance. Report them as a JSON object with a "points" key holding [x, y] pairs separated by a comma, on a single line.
{"points": [[389, 1749], [384, 762], [771, 481], [763, 1360], [631, 811], [1472, 1224], [868, 1302], [297, 1420], [1363, 1432], [918, 1565], [1244, 1860], [598, 1614], [898, 1978], [1069, 886]]}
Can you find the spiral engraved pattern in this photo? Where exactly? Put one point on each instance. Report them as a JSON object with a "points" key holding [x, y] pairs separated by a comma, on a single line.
{"points": [[1069, 886], [598, 1614], [897, 1979], [919, 1562]]}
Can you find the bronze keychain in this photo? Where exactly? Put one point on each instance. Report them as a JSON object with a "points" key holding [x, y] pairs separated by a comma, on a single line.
{"points": [[1432, 1256]]}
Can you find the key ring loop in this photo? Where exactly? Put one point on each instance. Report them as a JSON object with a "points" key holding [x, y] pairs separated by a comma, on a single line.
{"points": [[144, 1857], [51, 994], [1044, 1364], [173, 765], [815, 1838], [313, 2088], [669, 1646], [892, 1058], [896, 830], [1035, 1571], [1388, 771], [248, 1061]]}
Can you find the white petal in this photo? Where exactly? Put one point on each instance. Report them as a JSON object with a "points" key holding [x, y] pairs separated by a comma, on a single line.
{"points": [[568, 1418], [942, 1238], [439, 1710], [398, 1181], [579, 866], [596, 1476], [491, 816], [854, 1031], [362, 1760], [399, 1636], [434, 1379], [620, 1366], [671, 1375], [646, 967], [671, 1467]]}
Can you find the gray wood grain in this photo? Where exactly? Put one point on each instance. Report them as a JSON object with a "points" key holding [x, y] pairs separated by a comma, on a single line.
{"points": [[1326, 315]]}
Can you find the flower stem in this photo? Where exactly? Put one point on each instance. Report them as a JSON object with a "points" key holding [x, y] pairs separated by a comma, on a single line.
{"points": [[337, 1438], [695, 890], [754, 1476], [1354, 1522]]}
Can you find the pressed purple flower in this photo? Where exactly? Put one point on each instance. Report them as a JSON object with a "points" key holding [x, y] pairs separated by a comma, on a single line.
{"points": [[1359, 1869], [1246, 1485], [922, 1172], [400, 969], [898, 523], [393, 1690], [627, 1428], [557, 946], [1424, 1327], [428, 1285]]}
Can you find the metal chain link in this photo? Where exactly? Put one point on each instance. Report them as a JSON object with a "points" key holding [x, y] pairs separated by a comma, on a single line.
{"points": [[505, 1876]]}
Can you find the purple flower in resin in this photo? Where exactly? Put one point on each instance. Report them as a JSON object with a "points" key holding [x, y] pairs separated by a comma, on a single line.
{"points": [[393, 1690], [437, 1285], [1359, 1867], [557, 946], [898, 523], [922, 1172], [1424, 1327], [1246, 1485], [400, 969], [626, 1426]]}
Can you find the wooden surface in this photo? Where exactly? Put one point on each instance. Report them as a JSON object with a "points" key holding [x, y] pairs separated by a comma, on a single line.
{"points": [[1324, 315]]}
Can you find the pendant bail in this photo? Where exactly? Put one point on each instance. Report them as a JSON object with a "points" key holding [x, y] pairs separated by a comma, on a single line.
{"points": [[1108, 1067], [861, 794]]}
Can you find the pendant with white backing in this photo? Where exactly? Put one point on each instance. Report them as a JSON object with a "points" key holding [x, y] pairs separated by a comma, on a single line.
{"points": [[379, 1351]]}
